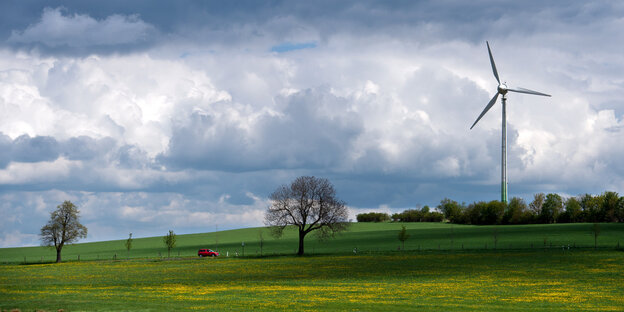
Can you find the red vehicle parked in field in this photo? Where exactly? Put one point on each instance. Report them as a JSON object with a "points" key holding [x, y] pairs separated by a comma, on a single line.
{"points": [[207, 253]]}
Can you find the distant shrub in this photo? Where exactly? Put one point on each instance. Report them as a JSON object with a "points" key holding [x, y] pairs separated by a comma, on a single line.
{"points": [[414, 215], [373, 217]]}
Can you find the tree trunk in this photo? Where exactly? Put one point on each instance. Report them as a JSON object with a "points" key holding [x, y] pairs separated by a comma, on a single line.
{"points": [[58, 254], [301, 236]]}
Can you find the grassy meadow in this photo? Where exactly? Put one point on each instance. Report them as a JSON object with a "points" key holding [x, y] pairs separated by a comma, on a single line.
{"points": [[366, 237], [439, 275]]}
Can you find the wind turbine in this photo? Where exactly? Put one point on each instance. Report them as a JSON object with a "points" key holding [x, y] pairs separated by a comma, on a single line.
{"points": [[502, 90]]}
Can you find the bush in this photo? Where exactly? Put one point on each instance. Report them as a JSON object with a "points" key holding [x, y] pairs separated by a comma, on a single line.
{"points": [[373, 217], [423, 215]]}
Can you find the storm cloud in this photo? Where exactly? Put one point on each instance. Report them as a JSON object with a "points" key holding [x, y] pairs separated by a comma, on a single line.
{"points": [[153, 116]]}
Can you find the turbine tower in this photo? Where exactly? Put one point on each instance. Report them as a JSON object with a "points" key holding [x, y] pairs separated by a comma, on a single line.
{"points": [[502, 90]]}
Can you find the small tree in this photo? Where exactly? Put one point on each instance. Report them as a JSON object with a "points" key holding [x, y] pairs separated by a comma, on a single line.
{"points": [[261, 239], [495, 235], [63, 228], [129, 244], [596, 231], [170, 241], [403, 236], [309, 204]]}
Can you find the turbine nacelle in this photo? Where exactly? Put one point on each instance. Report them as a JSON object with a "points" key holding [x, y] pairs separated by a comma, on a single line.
{"points": [[502, 89]]}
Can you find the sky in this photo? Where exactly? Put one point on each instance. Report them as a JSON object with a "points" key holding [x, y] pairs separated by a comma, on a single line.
{"points": [[185, 115]]}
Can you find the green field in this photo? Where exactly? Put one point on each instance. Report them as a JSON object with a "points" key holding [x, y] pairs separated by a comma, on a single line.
{"points": [[366, 237], [438, 276]]}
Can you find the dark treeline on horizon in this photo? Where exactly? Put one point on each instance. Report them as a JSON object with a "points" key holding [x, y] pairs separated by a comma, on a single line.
{"points": [[550, 208]]}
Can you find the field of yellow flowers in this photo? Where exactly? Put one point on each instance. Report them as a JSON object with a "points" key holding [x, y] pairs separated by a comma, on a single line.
{"points": [[489, 280]]}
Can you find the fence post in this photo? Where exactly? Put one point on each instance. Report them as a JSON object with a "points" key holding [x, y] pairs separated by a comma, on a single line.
{"points": [[78, 257]]}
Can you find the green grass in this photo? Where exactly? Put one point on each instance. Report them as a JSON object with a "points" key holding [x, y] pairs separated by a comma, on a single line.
{"points": [[444, 267], [576, 280], [366, 237]]}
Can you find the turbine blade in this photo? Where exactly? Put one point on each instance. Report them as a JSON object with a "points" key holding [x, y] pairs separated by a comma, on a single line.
{"points": [[487, 108], [527, 91], [492, 62]]}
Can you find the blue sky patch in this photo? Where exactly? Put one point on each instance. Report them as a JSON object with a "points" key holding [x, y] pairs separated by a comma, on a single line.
{"points": [[289, 46]]}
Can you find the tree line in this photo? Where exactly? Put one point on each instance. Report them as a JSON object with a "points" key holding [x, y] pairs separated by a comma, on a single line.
{"points": [[410, 215], [545, 208]]}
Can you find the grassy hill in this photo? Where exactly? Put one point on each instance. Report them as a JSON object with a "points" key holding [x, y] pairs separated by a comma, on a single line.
{"points": [[524, 273], [366, 237]]}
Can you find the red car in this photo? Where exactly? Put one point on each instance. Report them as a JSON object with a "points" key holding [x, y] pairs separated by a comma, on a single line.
{"points": [[207, 253]]}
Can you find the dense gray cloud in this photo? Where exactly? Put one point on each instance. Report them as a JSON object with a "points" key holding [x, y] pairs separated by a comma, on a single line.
{"points": [[186, 115], [82, 32], [25, 149], [312, 128]]}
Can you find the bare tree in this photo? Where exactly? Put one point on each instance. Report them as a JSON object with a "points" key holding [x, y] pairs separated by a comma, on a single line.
{"points": [[63, 228], [309, 204]]}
